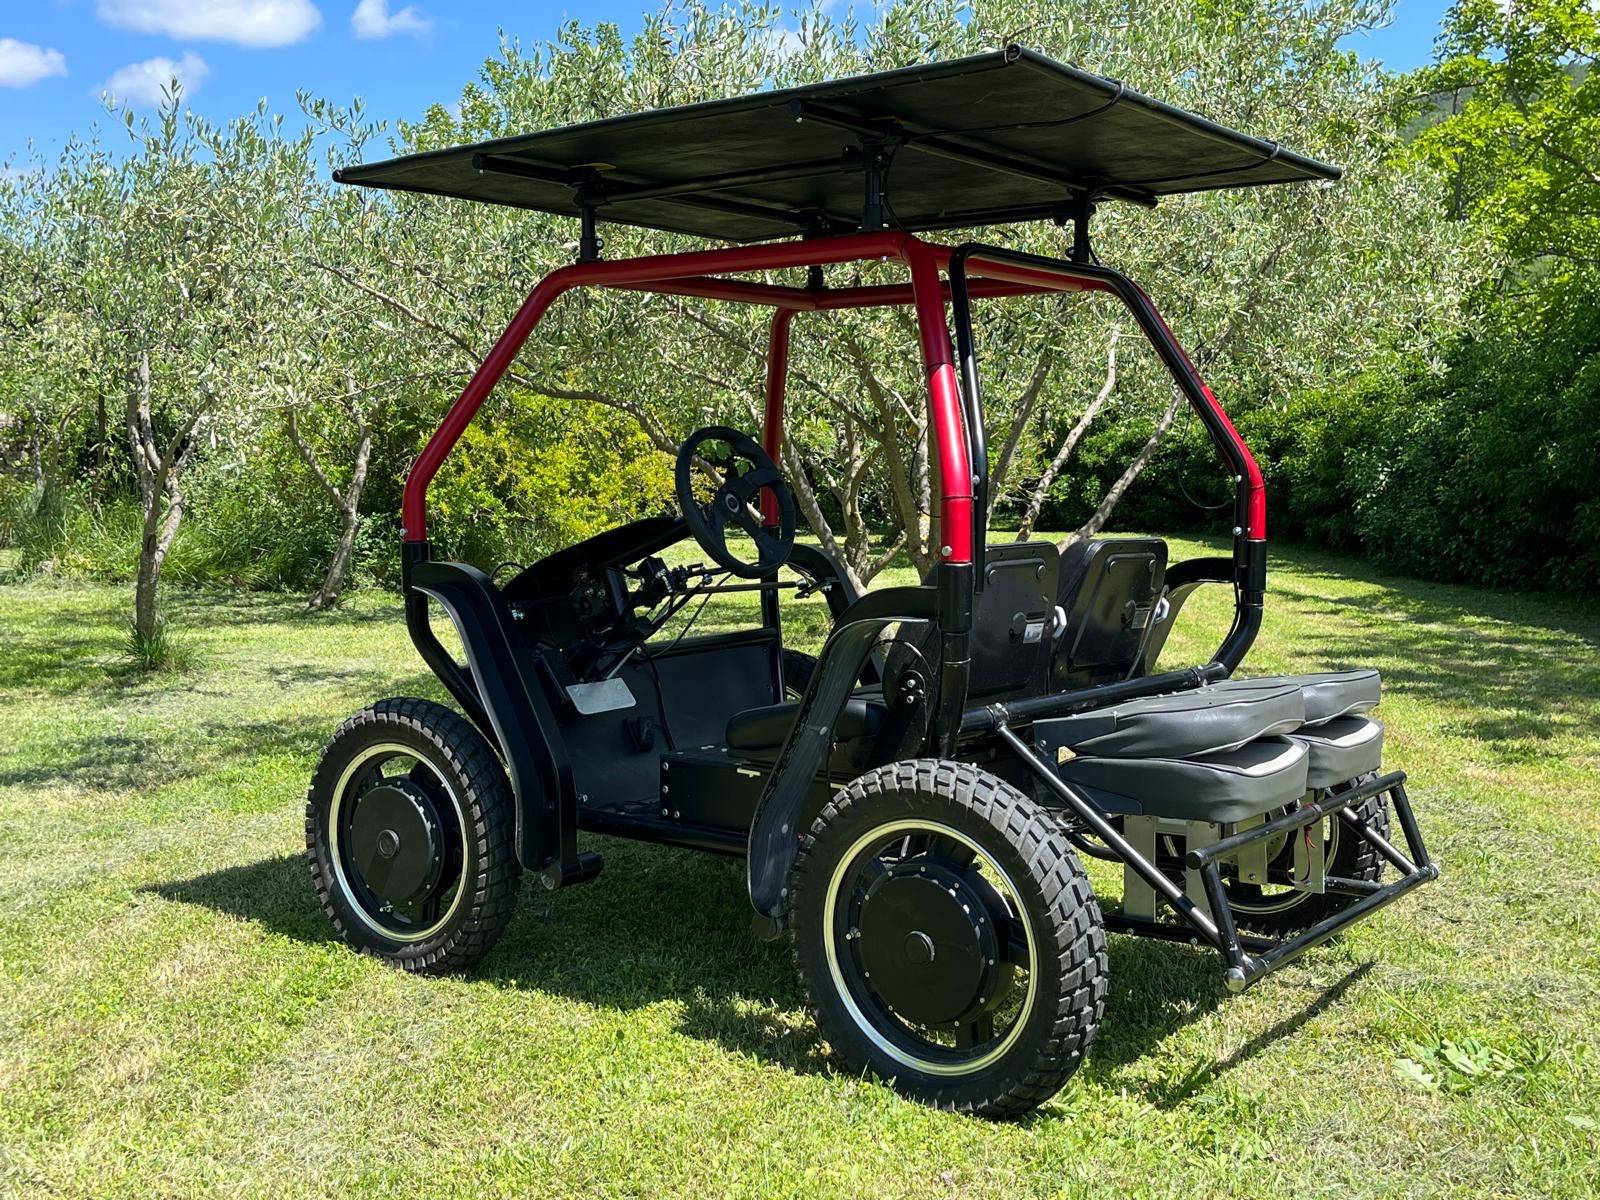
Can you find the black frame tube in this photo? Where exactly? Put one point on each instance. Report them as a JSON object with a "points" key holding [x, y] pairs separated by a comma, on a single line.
{"points": [[991, 717], [1332, 803], [1107, 833], [1249, 555], [1248, 958]]}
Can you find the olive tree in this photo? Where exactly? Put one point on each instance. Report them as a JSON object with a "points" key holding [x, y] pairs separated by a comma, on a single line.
{"points": [[180, 299], [1521, 140]]}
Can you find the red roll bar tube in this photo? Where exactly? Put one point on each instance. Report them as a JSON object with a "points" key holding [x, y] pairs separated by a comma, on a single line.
{"points": [[697, 274], [703, 274], [629, 273], [777, 386]]}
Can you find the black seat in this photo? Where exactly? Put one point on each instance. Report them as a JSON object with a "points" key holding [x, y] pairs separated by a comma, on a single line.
{"points": [[769, 725], [1109, 591], [1221, 753], [1212, 754], [1263, 775], [1342, 749], [1328, 694], [1208, 720]]}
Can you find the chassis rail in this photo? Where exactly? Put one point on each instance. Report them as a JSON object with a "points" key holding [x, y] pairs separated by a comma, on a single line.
{"points": [[1250, 958]]}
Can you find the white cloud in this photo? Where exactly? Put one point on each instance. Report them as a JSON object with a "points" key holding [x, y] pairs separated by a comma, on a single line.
{"points": [[22, 63], [372, 19], [784, 42], [247, 22], [145, 82]]}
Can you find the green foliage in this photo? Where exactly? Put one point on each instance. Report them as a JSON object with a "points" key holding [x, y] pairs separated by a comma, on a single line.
{"points": [[538, 474], [254, 288], [1463, 1064], [33, 521], [1523, 142], [1483, 471], [160, 649]]}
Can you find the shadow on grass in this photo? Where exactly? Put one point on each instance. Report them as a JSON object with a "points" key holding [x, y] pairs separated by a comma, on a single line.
{"points": [[189, 748], [140, 763], [665, 924], [1512, 675]]}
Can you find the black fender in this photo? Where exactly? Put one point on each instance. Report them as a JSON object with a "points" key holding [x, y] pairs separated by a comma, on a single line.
{"points": [[509, 706], [774, 832]]}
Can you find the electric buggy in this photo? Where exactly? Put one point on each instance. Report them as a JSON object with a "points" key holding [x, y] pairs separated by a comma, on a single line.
{"points": [[913, 801]]}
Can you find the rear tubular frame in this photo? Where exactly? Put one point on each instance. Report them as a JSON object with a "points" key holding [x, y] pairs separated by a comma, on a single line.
{"points": [[1248, 958]]}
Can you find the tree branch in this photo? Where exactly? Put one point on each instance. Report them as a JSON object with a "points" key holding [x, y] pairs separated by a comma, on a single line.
{"points": [[1041, 489]]}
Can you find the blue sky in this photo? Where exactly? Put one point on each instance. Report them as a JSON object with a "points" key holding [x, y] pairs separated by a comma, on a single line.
{"points": [[56, 56]]}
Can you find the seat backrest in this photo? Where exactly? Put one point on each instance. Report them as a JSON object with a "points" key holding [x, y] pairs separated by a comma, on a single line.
{"points": [[1013, 618], [1109, 588], [1012, 624]]}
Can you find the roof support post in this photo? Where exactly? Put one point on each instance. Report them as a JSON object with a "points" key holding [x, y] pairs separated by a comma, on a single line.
{"points": [[1082, 210], [876, 176], [777, 385], [589, 242]]}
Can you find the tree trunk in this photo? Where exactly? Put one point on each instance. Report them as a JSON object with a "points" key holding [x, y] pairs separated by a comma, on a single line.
{"points": [[160, 493], [1108, 504], [348, 500], [1021, 415], [908, 478], [339, 567], [1041, 490]]}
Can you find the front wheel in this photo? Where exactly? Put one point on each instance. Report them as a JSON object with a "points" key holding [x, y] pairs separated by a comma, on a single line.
{"points": [[948, 938], [409, 834]]}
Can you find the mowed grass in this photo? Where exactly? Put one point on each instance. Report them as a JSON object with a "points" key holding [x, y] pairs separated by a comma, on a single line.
{"points": [[176, 1019]]}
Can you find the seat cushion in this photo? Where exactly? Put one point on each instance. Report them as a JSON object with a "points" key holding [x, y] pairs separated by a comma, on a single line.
{"points": [[1206, 720], [765, 728], [1225, 787], [1328, 694], [1341, 750]]}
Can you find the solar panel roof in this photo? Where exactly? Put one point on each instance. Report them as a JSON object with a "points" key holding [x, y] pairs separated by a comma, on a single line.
{"points": [[994, 138]]}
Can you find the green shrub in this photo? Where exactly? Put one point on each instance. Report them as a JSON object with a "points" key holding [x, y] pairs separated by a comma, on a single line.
{"points": [[1484, 471], [538, 474], [33, 521], [160, 650]]}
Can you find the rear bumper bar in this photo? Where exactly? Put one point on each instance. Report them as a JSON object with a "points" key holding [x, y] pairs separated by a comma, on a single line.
{"points": [[1250, 958]]}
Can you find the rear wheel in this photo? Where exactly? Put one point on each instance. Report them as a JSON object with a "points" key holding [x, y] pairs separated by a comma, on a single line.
{"points": [[409, 834], [1281, 910], [948, 938]]}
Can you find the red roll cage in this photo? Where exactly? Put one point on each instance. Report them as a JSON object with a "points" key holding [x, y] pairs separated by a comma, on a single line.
{"points": [[993, 273]]}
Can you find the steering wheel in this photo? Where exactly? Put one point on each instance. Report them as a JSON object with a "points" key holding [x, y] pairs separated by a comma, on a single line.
{"points": [[737, 500]]}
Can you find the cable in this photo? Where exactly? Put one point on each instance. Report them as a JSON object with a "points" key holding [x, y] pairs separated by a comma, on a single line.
{"points": [[1183, 464], [655, 672], [695, 615], [661, 700]]}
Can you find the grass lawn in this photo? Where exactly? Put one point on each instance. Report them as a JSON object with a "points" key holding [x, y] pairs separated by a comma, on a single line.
{"points": [[175, 1018]]}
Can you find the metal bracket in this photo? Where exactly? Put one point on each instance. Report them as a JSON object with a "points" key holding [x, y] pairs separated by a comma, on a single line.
{"points": [[875, 176]]}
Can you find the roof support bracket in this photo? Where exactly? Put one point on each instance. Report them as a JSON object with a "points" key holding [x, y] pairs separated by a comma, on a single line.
{"points": [[875, 198]]}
